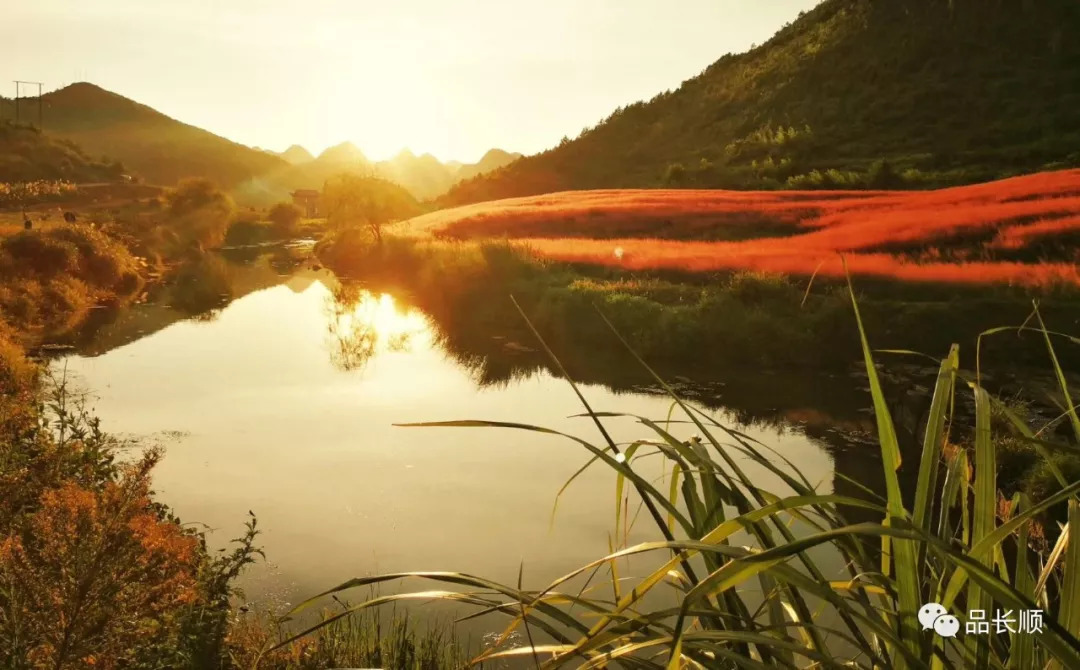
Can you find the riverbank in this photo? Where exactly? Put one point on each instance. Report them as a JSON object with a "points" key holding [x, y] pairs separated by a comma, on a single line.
{"points": [[744, 320], [108, 245], [732, 326], [97, 570]]}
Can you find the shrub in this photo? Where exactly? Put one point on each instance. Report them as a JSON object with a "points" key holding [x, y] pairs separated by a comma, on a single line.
{"points": [[40, 254], [246, 232], [64, 300], [199, 212], [24, 193], [93, 571], [285, 219], [20, 301], [760, 288], [883, 176], [1040, 482], [17, 382], [62, 608], [829, 179], [675, 175], [103, 261]]}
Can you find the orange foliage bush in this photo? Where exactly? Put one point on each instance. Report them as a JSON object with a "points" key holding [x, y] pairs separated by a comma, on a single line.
{"points": [[93, 571], [90, 576], [950, 235]]}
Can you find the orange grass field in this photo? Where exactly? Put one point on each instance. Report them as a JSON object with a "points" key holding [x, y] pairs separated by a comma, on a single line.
{"points": [[1022, 231]]}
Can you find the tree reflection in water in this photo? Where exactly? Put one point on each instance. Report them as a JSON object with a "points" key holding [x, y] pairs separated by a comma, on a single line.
{"points": [[361, 323], [202, 289]]}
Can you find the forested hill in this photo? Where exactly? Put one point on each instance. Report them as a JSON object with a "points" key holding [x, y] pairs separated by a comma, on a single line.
{"points": [[151, 144], [945, 91], [28, 154]]}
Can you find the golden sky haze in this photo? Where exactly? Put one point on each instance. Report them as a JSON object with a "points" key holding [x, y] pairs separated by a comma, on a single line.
{"points": [[452, 79]]}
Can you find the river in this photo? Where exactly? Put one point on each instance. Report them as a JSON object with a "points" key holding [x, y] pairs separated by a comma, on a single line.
{"points": [[280, 395]]}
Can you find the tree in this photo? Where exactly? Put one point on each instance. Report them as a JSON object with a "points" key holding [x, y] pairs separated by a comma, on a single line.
{"points": [[285, 218], [354, 200], [200, 213], [675, 175], [883, 175]]}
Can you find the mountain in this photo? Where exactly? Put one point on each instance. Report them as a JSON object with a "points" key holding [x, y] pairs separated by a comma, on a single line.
{"points": [[852, 93], [28, 154], [424, 176], [163, 150], [344, 153], [296, 154], [160, 149], [276, 185], [491, 161]]}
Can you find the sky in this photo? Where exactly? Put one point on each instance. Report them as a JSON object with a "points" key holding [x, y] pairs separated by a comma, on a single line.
{"points": [[449, 78]]}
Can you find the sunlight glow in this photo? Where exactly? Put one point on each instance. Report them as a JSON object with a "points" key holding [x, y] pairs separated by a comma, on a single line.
{"points": [[382, 315], [363, 324], [451, 79]]}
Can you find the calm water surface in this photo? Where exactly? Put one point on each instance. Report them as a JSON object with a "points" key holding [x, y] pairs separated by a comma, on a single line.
{"points": [[284, 402]]}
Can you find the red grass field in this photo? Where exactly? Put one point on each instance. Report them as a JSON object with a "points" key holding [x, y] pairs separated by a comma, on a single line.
{"points": [[1023, 231]]}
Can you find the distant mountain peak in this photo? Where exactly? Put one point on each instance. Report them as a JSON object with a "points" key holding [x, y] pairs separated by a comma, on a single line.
{"points": [[80, 86], [87, 96], [159, 148], [297, 154], [346, 152], [498, 154]]}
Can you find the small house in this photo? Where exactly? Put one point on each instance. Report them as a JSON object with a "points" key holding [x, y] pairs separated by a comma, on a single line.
{"points": [[309, 201]]}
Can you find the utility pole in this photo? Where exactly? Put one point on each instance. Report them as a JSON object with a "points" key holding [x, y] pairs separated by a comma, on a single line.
{"points": [[18, 89]]}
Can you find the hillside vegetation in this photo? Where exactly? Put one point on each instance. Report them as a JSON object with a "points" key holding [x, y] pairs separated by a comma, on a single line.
{"points": [[854, 93], [157, 147], [27, 154], [1023, 230], [164, 151]]}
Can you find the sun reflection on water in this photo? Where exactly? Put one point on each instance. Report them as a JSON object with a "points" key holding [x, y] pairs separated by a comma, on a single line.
{"points": [[361, 324]]}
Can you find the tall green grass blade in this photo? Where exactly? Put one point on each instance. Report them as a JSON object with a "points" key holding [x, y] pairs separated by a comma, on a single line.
{"points": [[620, 481], [642, 487], [905, 558], [1070, 406], [1069, 598], [955, 486], [566, 485], [1056, 554], [984, 549], [984, 516], [645, 489], [1022, 647], [525, 615], [740, 501], [934, 440], [673, 492]]}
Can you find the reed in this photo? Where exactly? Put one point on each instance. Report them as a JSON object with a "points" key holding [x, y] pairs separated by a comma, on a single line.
{"points": [[781, 578]]}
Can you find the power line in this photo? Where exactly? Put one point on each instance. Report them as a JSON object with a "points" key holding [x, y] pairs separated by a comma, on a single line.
{"points": [[18, 90]]}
